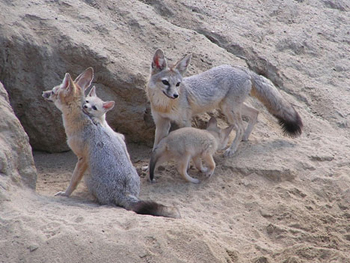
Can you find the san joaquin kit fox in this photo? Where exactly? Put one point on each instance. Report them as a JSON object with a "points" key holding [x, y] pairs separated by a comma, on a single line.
{"points": [[190, 143], [174, 98], [112, 178]]}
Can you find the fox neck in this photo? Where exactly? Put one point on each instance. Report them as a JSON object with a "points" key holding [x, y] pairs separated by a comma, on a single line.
{"points": [[74, 119]]}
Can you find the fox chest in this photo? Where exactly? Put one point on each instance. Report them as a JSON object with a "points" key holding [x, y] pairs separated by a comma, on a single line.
{"points": [[78, 146]]}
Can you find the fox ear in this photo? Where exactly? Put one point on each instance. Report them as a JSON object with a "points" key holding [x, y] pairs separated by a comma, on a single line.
{"points": [[92, 92], [182, 64], [65, 81], [67, 84], [159, 62], [85, 78], [108, 105], [212, 122]]}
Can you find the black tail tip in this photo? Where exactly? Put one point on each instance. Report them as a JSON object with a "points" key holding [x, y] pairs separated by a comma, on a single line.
{"points": [[292, 128], [155, 209]]}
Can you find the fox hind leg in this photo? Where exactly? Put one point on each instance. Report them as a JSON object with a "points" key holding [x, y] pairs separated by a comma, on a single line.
{"points": [[252, 115], [198, 163], [209, 160], [182, 166], [234, 118]]}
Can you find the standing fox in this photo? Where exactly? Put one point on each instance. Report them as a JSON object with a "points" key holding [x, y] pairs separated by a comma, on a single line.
{"points": [[112, 178], [176, 99], [190, 143]]}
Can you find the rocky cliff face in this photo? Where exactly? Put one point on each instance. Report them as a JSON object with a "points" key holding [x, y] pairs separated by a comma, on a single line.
{"points": [[16, 160], [286, 42]]}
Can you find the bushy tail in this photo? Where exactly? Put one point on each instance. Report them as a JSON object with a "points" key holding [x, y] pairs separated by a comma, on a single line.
{"points": [[156, 154], [131, 202], [155, 209], [288, 118]]}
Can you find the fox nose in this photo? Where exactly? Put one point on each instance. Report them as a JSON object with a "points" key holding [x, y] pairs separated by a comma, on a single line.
{"points": [[84, 106], [175, 95]]}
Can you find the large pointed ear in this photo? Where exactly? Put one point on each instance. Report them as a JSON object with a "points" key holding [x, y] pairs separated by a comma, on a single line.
{"points": [[92, 92], [108, 105], [65, 81], [85, 78], [159, 62], [67, 84], [182, 64], [212, 123]]}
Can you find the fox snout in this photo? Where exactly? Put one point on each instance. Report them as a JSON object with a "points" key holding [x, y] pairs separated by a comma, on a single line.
{"points": [[172, 95], [46, 95]]}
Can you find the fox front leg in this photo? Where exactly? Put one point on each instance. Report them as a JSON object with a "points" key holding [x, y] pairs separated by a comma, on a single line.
{"points": [[162, 129], [78, 173]]}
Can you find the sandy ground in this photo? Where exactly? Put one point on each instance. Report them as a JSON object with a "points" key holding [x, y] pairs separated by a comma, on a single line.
{"points": [[261, 211]]}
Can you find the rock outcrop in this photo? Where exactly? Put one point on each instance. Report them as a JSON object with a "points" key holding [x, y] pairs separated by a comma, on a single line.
{"points": [[16, 160]]}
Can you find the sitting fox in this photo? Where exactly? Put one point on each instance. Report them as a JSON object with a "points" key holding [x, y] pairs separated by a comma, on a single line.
{"points": [[112, 178], [176, 99], [190, 143]]}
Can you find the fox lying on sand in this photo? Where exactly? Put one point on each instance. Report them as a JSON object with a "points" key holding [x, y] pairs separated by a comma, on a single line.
{"points": [[176, 99], [112, 178], [190, 143]]}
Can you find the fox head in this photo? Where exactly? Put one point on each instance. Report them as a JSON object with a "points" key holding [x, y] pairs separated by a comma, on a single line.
{"points": [[70, 91], [168, 79], [95, 107], [221, 135]]}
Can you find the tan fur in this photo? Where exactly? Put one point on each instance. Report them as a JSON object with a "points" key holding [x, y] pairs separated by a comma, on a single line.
{"points": [[190, 143]]}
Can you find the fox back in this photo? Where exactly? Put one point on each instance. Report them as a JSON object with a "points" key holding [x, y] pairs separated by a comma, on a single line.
{"points": [[113, 179]]}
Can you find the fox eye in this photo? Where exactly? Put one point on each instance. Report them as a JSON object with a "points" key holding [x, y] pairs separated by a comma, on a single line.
{"points": [[178, 84], [165, 82], [87, 101], [94, 108]]}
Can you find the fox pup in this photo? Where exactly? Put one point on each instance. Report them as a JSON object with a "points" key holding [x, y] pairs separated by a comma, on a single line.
{"points": [[97, 109], [190, 143], [112, 178], [174, 98]]}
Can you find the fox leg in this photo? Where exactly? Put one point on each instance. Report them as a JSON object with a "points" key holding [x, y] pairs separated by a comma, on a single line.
{"points": [[208, 159], [234, 118], [198, 163], [182, 166], [162, 129], [78, 173], [252, 115]]}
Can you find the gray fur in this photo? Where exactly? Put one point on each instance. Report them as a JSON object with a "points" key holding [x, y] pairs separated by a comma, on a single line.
{"points": [[113, 179], [223, 87]]}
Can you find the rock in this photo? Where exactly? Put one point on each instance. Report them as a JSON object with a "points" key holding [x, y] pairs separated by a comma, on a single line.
{"points": [[117, 40], [16, 160]]}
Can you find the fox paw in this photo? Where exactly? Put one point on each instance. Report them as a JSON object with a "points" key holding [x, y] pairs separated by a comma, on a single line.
{"points": [[228, 153], [209, 173], [195, 181], [61, 193], [204, 170]]}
